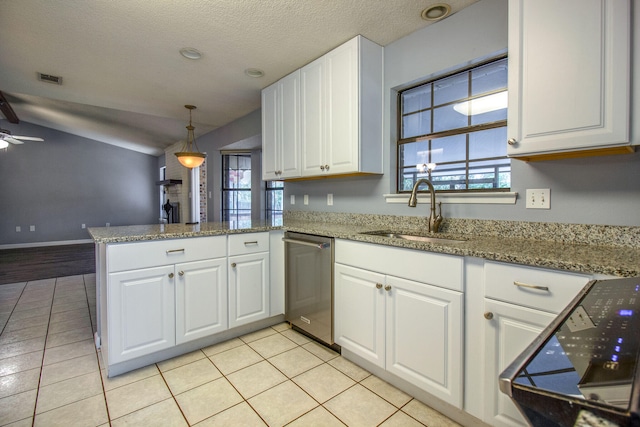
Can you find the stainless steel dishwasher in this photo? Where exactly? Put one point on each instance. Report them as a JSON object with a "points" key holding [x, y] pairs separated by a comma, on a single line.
{"points": [[309, 284]]}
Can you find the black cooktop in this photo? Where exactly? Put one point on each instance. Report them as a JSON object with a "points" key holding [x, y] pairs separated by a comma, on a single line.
{"points": [[587, 358]]}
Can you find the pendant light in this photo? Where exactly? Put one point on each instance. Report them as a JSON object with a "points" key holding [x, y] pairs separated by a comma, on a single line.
{"points": [[190, 157]]}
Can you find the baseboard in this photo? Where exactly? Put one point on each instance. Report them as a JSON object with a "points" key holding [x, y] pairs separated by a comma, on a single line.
{"points": [[41, 244]]}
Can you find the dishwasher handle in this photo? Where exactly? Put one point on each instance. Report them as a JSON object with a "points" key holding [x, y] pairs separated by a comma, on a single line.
{"points": [[305, 243]]}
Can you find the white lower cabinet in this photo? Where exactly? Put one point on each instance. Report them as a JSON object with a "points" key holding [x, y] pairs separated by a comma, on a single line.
{"points": [[507, 334], [519, 303], [249, 291], [157, 308], [141, 312], [248, 288], [201, 299], [411, 329]]}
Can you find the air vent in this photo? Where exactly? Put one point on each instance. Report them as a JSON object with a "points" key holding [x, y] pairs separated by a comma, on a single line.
{"points": [[49, 78]]}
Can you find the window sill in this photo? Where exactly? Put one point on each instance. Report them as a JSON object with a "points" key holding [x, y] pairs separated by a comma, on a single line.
{"points": [[497, 198]]}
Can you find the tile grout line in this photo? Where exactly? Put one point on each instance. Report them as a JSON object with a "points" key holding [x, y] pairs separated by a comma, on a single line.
{"points": [[93, 328], [46, 337]]}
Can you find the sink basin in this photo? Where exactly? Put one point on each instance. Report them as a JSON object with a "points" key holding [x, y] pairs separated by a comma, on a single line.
{"points": [[414, 237]]}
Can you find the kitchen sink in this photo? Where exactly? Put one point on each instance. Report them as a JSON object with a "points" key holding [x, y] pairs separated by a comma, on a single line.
{"points": [[413, 237]]}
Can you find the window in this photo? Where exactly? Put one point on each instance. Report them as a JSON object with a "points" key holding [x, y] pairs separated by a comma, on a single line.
{"points": [[273, 207], [454, 130], [236, 188]]}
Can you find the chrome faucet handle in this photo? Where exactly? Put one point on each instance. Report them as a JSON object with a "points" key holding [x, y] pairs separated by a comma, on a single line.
{"points": [[438, 219]]}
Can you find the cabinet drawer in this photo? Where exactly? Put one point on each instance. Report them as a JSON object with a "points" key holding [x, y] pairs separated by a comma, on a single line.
{"points": [[426, 267], [135, 255], [537, 288], [248, 243]]}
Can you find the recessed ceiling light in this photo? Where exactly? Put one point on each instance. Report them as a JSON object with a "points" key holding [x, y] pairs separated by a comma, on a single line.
{"points": [[190, 53], [436, 12], [254, 72]]}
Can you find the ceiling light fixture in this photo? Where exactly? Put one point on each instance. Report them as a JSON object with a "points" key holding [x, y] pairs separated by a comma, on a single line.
{"points": [[484, 104], [254, 72], [190, 53], [436, 12], [190, 157]]}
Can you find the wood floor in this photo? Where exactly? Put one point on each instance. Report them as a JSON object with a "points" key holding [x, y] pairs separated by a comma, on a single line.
{"points": [[23, 265]]}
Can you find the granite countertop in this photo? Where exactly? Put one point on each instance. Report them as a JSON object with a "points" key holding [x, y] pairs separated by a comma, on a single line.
{"points": [[136, 233], [571, 254], [595, 259]]}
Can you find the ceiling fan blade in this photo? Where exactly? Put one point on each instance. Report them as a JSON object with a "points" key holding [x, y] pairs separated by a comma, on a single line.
{"points": [[27, 138], [12, 140]]}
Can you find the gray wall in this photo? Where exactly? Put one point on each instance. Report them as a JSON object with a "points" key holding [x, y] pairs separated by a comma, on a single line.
{"points": [[599, 190], [67, 181], [246, 128]]}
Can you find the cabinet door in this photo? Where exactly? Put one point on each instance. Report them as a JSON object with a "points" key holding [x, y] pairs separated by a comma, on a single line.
{"points": [[290, 126], [342, 118], [424, 337], [270, 133], [248, 288], [312, 117], [359, 316], [141, 310], [569, 75], [507, 334], [201, 299]]}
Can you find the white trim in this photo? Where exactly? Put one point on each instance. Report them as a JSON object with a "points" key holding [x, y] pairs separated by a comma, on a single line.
{"points": [[41, 244], [501, 198]]}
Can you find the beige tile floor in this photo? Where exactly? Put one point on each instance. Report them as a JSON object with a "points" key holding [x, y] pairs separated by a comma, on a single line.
{"points": [[50, 374]]}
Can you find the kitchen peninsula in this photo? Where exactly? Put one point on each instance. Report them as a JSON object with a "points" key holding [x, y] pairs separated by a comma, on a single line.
{"points": [[147, 313]]}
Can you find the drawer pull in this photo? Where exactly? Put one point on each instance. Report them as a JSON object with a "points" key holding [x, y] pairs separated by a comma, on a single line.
{"points": [[233, 264], [488, 315], [170, 275], [255, 242], [173, 251], [526, 285], [387, 288], [181, 273], [378, 285]]}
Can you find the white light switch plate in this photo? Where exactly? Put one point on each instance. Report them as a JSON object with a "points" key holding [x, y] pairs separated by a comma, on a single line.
{"points": [[330, 199], [306, 199], [539, 198]]}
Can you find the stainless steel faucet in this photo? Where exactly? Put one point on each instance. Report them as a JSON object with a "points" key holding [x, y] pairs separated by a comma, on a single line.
{"points": [[434, 220]]}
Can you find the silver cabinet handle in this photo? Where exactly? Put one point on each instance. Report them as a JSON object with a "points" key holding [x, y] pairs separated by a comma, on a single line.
{"points": [[321, 167], [387, 288], [326, 167], [233, 264], [170, 275], [305, 243], [378, 285], [173, 251], [512, 141], [255, 242], [488, 315], [526, 285], [181, 273]]}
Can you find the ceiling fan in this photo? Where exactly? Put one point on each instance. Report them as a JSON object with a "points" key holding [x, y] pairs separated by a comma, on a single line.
{"points": [[5, 135]]}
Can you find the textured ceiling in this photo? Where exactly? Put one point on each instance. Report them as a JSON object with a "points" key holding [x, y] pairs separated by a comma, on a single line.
{"points": [[125, 83]]}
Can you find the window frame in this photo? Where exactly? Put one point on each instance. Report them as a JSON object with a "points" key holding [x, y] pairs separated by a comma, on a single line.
{"points": [[224, 209], [274, 216], [399, 169]]}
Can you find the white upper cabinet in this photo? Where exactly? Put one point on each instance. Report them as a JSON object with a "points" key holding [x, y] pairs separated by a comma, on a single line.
{"points": [[341, 102], [569, 78], [326, 118], [281, 129]]}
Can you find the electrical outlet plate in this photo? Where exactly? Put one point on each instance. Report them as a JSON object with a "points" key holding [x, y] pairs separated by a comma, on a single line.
{"points": [[32, 228], [306, 199], [329, 199], [539, 198], [579, 320], [293, 199]]}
